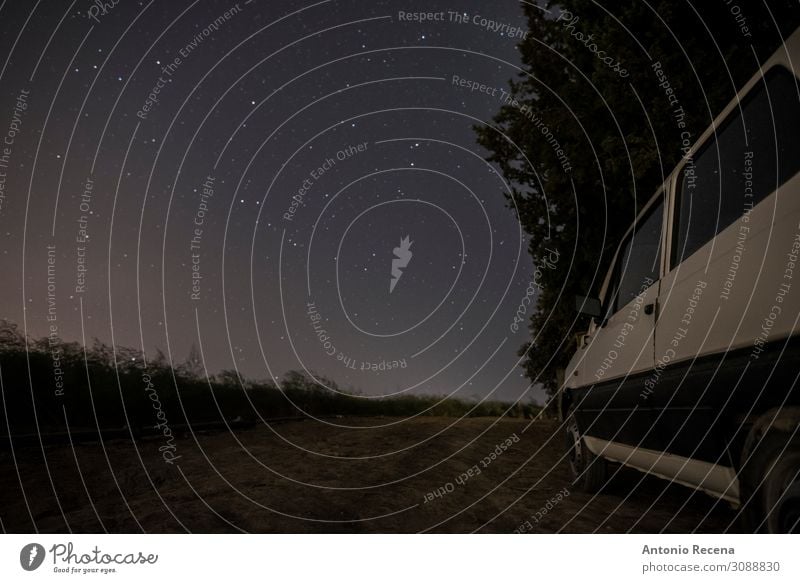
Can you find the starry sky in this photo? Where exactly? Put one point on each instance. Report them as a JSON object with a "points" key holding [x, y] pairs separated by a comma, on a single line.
{"points": [[237, 176]]}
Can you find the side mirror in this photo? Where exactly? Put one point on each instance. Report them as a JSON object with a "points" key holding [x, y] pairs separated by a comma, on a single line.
{"points": [[589, 306]]}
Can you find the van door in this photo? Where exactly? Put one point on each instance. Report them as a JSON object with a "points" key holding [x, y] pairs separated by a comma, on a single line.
{"points": [[620, 353]]}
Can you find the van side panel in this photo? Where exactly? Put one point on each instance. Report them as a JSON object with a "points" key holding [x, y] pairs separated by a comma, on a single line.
{"points": [[741, 289], [698, 408]]}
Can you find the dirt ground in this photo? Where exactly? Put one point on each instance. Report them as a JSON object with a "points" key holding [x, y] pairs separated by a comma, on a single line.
{"points": [[348, 475]]}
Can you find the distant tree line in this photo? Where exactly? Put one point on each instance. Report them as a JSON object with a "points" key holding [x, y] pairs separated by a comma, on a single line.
{"points": [[592, 93], [62, 384]]}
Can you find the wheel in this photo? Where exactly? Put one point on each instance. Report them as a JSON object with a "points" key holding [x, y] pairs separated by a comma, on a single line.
{"points": [[588, 471], [770, 483], [782, 493]]}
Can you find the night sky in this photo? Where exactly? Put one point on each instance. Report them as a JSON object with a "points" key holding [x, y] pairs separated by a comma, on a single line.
{"points": [[238, 177]]}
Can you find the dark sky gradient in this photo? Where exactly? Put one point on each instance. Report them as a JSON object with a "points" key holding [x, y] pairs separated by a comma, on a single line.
{"points": [[259, 105]]}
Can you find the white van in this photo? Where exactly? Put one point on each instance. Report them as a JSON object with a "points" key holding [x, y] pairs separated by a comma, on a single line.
{"points": [[690, 367]]}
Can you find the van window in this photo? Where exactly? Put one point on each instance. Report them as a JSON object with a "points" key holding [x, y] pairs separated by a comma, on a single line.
{"points": [[639, 260], [757, 148]]}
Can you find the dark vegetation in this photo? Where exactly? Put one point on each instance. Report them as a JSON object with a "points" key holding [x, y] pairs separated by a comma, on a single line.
{"points": [[108, 389], [621, 133]]}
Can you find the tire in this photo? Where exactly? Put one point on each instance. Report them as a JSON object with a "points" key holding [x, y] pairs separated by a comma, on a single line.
{"points": [[588, 472], [770, 484], [782, 493]]}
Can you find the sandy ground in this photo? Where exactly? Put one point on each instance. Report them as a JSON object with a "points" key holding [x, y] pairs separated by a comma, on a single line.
{"points": [[310, 476]]}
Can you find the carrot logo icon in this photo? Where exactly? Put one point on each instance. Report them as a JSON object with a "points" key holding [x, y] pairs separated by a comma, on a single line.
{"points": [[31, 556], [402, 255]]}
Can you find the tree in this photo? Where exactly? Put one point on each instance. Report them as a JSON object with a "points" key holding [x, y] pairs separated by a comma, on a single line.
{"points": [[192, 368], [588, 130], [11, 339], [230, 378]]}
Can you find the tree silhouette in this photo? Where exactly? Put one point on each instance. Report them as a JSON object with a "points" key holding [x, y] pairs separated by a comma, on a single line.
{"points": [[619, 132]]}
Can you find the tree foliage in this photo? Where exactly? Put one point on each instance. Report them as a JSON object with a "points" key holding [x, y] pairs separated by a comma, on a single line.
{"points": [[589, 82]]}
